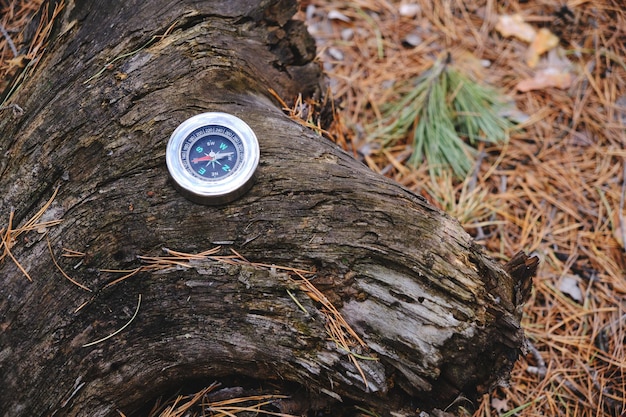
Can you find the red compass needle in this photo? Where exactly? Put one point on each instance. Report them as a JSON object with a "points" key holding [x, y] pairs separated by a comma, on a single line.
{"points": [[203, 158]]}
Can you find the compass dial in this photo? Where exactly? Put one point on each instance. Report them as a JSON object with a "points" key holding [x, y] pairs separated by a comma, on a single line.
{"points": [[212, 158], [212, 152]]}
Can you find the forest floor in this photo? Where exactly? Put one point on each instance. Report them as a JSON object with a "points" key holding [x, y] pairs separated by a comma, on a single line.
{"points": [[555, 189]]}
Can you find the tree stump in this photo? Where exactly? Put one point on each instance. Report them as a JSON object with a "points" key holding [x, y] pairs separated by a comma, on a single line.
{"points": [[436, 317]]}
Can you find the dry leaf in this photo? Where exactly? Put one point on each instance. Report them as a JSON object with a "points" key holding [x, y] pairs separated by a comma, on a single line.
{"points": [[543, 42], [337, 15], [569, 286], [412, 40], [514, 25], [335, 53], [556, 59], [501, 406], [549, 77], [347, 34], [409, 10], [618, 232], [19, 61]]}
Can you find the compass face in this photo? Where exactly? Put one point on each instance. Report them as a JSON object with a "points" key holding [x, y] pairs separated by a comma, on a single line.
{"points": [[212, 158], [212, 152]]}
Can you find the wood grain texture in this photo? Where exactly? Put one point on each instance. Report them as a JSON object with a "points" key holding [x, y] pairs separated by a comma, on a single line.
{"points": [[440, 316]]}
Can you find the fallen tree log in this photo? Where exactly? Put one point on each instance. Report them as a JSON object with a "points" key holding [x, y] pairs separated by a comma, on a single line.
{"points": [[95, 317]]}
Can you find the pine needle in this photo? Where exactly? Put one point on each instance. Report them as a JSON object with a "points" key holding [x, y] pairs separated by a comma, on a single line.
{"points": [[70, 279], [198, 405], [9, 237], [118, 331], [338, 329]]}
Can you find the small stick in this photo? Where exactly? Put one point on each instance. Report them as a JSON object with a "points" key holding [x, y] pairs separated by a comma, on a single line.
{"points": [[9, 41], [621, 206], [17, 110], [541, 368]]}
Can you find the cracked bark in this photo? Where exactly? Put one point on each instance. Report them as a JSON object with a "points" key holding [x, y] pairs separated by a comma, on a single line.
{"points": [[441, 317]]}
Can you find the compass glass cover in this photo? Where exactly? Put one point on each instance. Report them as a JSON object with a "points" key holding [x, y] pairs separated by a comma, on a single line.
{"points": [[212, 152]]}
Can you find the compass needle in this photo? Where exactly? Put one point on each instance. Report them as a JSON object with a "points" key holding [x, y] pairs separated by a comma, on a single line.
{"points": [[227, 145]]}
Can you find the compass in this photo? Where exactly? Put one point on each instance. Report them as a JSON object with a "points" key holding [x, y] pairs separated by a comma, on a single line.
{"points": [[212, 158]]}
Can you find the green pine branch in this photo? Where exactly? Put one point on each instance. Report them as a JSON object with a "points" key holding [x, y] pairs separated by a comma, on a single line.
{"points": [[442, 115]]}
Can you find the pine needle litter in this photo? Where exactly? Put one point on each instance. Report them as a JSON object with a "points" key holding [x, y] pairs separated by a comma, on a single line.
{"points": [[555, 188]]}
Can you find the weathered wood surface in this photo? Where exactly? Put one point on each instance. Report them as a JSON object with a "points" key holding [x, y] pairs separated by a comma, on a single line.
{"points": [[440, 316]]}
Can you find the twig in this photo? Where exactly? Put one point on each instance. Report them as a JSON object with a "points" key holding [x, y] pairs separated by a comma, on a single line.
{"points": [[621, 206], [541, 369], [9, 40], [17, 110], [95, 342], [471, 185]]}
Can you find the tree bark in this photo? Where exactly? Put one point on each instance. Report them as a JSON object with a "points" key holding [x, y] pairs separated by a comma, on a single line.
{"points": [[440, 317]]}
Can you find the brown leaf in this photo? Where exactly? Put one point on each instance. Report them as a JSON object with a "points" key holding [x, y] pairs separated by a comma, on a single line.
{"points": [[549, 77], [569, 286], [501, 406], [19, 61], [514, 25], [543, 42]]}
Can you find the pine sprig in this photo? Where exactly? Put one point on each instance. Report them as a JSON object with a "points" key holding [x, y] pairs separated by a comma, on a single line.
{"points": [[443, 111]]}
